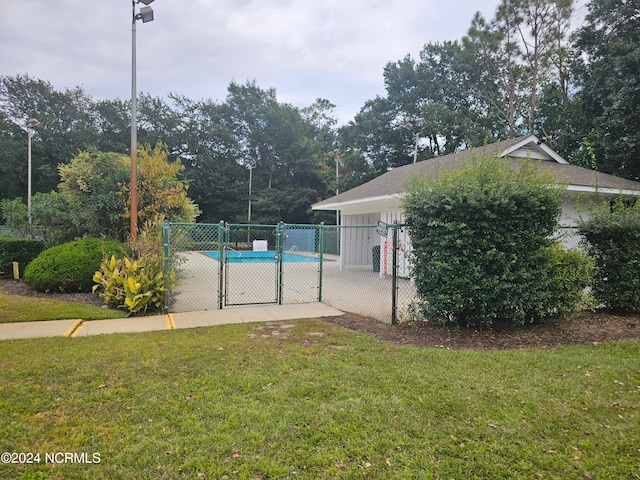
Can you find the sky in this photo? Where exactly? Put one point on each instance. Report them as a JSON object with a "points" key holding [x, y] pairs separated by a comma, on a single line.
{"points": [[304, 49]]}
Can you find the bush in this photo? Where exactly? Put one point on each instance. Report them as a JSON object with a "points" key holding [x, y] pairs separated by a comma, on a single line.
{"points": [[69, 267], [54, 220], [21, 250], [482, 248], [612, 235], [569, 273], [134, 285]]}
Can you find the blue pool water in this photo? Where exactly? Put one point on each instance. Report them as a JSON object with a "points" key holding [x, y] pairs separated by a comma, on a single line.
{"points": [[261, 257]]}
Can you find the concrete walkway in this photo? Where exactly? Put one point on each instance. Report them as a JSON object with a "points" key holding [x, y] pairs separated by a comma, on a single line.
{"points": [[80, 328]]}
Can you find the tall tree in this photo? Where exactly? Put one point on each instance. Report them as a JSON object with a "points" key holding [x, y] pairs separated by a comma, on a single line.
{"points": [[13, 159], [378, 135], [434, 89], [608, 102], [540, 27], [552, 120], [112, 121], [519, 48], [67, 124], [216, 179], [320, 120], [493, 46], [273, 139]]}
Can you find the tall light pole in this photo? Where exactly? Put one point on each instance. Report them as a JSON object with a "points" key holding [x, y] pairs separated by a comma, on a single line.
{"points": [[146, 15], [32, 123], [336, 156], [251, 166], [416, 128]]}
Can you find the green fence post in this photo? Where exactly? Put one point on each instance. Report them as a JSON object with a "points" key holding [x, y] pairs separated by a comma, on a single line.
{"points": [[394, 275], [166, 265], [221, 243], [320, 259], [280, 245]]}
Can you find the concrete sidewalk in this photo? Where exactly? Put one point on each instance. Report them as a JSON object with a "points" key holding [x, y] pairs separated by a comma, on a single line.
{"points": [[80, 328]]}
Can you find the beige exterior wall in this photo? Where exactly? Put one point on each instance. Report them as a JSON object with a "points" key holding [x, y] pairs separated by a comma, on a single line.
{"points": [[356, 244]]}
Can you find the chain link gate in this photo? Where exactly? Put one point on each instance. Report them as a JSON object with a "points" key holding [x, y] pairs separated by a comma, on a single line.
{"points": [[252, 258]]}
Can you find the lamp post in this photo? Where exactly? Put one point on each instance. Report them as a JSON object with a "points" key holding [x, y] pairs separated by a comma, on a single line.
{"points": [[146, 15], [32, 123], [251, 166], [416, 128], [336, 156]]}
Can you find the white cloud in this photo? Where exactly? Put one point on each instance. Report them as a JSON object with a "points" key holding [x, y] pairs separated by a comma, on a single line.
{"points": [[335, 49]]}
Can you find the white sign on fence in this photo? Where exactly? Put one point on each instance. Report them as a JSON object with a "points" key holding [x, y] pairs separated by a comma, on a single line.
{"points": [[259, 245]]}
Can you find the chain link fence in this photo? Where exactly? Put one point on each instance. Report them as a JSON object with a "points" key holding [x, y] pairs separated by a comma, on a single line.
{"points": [[363, 269], [367, 278], [198, 276], [350, 268], [569, 237]]}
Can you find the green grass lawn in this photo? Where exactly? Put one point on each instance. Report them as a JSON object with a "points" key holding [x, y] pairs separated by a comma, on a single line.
{"points": [[316, 401], [15, 308]]}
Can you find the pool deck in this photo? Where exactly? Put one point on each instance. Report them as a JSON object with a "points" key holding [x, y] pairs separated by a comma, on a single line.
{"points": [[357, 290]]}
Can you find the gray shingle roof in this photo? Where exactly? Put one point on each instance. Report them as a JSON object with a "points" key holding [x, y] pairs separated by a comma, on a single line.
{"points": [[394, 181]]}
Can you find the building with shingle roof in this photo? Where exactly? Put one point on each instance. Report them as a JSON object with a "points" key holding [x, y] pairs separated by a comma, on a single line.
{"points": [[379, 200]]}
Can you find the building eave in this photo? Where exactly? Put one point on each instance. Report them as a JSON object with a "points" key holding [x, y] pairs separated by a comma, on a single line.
{"points": [[342, 205], [383, 198], [603, 191]]}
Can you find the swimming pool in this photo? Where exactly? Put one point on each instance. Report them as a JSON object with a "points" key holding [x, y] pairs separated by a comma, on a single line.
{"points": [[262, 257]]}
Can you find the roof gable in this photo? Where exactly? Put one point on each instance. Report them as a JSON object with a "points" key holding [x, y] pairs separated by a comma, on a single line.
{"points": [[532, 147]]}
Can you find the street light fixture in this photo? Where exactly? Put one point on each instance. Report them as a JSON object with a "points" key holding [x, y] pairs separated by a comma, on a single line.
{"points": [[32, 124], [416, 127], [146, 15]]}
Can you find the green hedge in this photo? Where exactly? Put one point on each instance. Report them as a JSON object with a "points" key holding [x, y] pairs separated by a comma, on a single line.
{"points": [[21, 250], [482, 248], [70, 267], [613, 237]]}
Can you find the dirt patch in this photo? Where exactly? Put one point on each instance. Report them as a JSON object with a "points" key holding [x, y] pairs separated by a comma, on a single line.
{"points": [[582, 328]]}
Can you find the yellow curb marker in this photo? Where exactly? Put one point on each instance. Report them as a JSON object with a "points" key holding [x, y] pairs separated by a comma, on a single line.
{"points": [[73, 330], [171, 323]]}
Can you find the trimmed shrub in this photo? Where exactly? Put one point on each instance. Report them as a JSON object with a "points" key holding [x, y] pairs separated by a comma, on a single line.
{"points": [[21, 250], [70, 267], [612, 234], [482, 247]]}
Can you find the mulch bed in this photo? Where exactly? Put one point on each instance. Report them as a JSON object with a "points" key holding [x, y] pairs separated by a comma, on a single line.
{"points": [[583, 328], [13, 287]]}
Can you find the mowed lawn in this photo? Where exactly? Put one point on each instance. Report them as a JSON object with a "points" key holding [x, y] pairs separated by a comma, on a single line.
{"points": [[312, 400], [15, 308]]}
